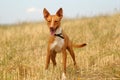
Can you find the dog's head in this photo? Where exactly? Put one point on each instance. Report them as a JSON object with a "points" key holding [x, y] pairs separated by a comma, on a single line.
{"points": [[53, 21]]}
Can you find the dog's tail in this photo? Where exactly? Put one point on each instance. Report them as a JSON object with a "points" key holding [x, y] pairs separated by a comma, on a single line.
{"points": [[79, 45]]}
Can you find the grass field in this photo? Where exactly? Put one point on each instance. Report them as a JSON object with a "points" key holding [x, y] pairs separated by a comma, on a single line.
{"points": [[23, 49]]}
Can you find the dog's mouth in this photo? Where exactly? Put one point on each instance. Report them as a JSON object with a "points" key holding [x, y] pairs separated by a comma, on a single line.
{"points": [[52, 31]]}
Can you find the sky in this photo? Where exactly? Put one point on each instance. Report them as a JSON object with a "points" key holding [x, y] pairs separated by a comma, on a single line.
{"points": [[14, 11]]}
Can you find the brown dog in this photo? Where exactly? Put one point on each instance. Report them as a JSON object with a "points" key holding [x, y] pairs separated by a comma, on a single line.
{"points": [[58, 41]]}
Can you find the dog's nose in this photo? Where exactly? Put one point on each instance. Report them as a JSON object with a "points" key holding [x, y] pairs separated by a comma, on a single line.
{"points": [[51, 28]]}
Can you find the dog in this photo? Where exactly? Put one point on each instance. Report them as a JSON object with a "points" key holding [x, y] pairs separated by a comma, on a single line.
{"points": [[58, 41]]}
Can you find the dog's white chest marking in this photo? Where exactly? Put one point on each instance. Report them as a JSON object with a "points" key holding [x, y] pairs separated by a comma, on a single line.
{"points": [[58, 42]]}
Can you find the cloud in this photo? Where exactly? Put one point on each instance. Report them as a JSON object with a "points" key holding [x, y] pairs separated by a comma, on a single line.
{"points": [[32, 10]]}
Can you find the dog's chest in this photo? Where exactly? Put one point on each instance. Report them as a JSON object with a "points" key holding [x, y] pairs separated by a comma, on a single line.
{"points": [[57, 44]]}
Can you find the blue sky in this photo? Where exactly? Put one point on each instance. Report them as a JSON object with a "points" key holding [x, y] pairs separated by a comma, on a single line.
{"points": [[13, 11]]}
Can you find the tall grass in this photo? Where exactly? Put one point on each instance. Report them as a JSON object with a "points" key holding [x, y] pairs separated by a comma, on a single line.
{"points": [[23, 49]]}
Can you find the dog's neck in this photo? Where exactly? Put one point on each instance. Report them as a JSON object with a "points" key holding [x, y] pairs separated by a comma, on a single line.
{"points": [[58, 31]]}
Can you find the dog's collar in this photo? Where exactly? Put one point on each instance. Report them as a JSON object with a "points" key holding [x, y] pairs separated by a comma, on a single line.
{"points": [[59, 35]]}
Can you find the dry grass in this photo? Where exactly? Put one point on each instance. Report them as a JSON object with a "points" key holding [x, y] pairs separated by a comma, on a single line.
{"points": [[23, 48]]}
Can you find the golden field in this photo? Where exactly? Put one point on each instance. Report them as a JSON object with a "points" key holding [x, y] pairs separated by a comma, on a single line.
{"points": [[23, 49]]}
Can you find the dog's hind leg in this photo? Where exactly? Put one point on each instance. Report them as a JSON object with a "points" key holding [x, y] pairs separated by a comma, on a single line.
{"points": [[70, 49]]}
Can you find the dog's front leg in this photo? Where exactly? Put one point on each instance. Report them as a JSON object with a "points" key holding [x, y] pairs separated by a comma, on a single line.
{"points": [[64, 56], [47, 58]]}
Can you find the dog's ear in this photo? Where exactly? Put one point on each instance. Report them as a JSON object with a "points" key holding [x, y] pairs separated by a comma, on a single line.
{"points": [[60, 13], [45, 13]]}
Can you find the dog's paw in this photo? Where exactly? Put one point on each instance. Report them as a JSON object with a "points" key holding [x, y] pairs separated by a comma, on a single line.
{"points": [[64, 76], [77, 69]]}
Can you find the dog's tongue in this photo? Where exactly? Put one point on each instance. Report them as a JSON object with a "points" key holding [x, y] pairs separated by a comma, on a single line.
{"points": [[52, 32]]}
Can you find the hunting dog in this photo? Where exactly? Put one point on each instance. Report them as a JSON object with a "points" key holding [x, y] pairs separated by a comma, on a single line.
{"points": [[58, 41]]}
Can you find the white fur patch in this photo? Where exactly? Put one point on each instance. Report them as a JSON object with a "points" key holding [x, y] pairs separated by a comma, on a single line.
{"points": [[63, 76], [58, 42]]}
